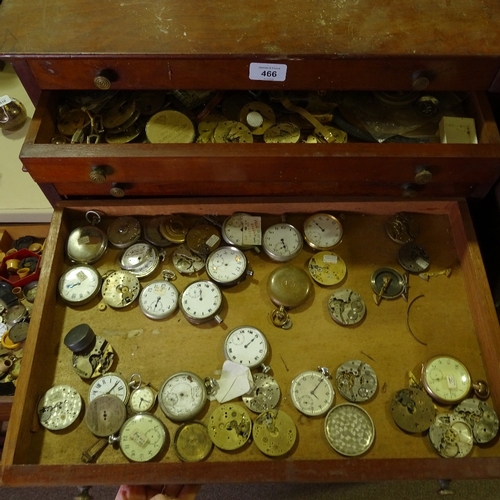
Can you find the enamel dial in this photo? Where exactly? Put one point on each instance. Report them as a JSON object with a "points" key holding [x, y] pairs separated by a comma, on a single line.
{"points": [[246, 345], [312, 392], [182, 396], [142, 399], [226, 266], [322, 231], [282, 242], [142, 437], [446, 379], [79, 285], [120, 289], [110, 383], [59, 407], [201, 301], [159, 300], [233, 230]]}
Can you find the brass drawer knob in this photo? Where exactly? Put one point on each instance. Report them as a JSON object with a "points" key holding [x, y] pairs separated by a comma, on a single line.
{"points": [[98, 175], [421, 80], [409, 191], [117, 191], [105, 78], [422, 176]]}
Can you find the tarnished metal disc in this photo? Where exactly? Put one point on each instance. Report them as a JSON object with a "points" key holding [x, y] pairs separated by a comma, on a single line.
{"points": [[119, 113], [402, 228], [356, 380], [413, 410], [395, 283], [282, 133], [124, 231], [265, 395], [249, 113], [289, 286], [170, 126], [192, 442], [174, 228], [231, 131], [413, 258], [451, 436], [152, 232], [86, 245], [71, 121], [274, 433], [349, 429], [229, 426]]}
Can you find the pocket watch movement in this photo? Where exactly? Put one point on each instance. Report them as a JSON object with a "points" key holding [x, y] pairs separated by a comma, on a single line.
{"points": [[187, 262], [182, 396], [327, 268], [79, 284], [312, 392], [265, 395], [201, 301], [174, 228], [346, 307], [413, 410], [246, 345], [124, 231], [451, 436], [481, 417], [120, 289], [159, 299], [413, 258], [282, 133], [227, 266], [59, 407], [152, 232], [402, 228], [229, 426], [282, 242], [203, 239], [274, 433], [356, 381], [322, 231]]}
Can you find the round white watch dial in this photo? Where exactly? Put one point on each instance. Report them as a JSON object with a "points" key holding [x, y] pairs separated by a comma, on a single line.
{"points": [[322, 231], [201, 301], [59, 407], [182, 396], [79, 285], [282, 242], [141, 259], [142, 399], [159, 299], [312, 392], [226, 265], [246, 345], [232, 230], [110, 383]]}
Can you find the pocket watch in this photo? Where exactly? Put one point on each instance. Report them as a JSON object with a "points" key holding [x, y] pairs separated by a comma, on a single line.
{"points": [[79, 284], [229, 426], [322, 231], [327, 268], [120, 289], [141, 259], [312, 392], [124, 231], [174, 228], [185, 261], [203, 239], [87, 244], [105, 415], [59, 407], [402, 228], [274, 433], [246, 345], [142, 396], [227, 266], [282, 242], [346, 307], [201, 301], [110, 383], [446, 379], [159, 299], [481, 417], [413, 410], [387, 283], [142, 437], [182, 396], [233, 230], [192, 442], [356, 381], [15, 314], [30, 290]]}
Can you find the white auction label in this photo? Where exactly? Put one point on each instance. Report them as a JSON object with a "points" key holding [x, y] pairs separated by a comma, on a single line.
{"points": [[268, 72], [5, 99]]}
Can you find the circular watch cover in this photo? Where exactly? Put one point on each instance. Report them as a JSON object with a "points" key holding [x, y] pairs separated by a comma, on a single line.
{"points": [[192, 442], [387, 283], [105, 415], [289, 286], [86, 245], [412, 410], [124, 231]]}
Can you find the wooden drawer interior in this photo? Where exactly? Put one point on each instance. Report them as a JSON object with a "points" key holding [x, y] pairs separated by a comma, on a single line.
{"points": [[455, 316]]}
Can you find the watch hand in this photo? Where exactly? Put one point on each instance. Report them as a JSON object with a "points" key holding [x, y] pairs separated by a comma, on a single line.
{"points": [[314, 390], [73, 285], [253, 338], [109, 392], [284, 244], [319, 226], [157, 302]]}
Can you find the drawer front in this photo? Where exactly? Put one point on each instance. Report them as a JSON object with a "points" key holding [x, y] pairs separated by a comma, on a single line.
{"points": [[396, 73], [456, 317]]}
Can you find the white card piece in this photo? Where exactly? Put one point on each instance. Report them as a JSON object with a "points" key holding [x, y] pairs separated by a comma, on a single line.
{"points": [[268, 72], [236, 380], [252, 230], [330, 259], [5, 99]]}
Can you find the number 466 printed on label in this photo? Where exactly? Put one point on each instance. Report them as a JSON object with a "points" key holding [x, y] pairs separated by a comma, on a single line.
{"points": [[269, 72]]}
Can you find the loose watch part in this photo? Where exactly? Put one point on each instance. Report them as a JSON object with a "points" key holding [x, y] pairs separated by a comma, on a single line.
{"points": [[182, 396], [481, 417], [265, 395], [274, 433], [142, 396], [203, 239], [322, 231], [59, 407], [120, 289], [282, 242], [15, 314], [402, 228], [446, 379], [451, 436], [356, 381], [30, 290], [87, 244], [227, 266], [187, 262], [246, 345], [110, 383], [229, 131], [312, 392], [413, 410], [170, 126], [229, 426], [152, 232], [92, 354], [387, 283], [105, 415], [192, 442], [124, 231], [349, 429], [159, 299], [257, 116], [413, 258], [79, 284], [346, 307], [19, 332], [327, 268], [282, 133], [141, 259], [241, 230], [142, 437], [201, 301], [174, 228]]}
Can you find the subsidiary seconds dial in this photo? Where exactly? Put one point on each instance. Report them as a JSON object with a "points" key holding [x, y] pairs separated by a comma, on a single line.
{"points": [[159, 299], [282, 242], [201, 301], [322, 231]]}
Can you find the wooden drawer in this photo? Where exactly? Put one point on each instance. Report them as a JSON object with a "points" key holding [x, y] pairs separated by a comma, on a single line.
{"points": [[456, 316], [351, 169]]}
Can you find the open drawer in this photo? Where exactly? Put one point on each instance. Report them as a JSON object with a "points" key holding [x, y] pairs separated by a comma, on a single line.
{"points": [[455, 316], [350, 169]]}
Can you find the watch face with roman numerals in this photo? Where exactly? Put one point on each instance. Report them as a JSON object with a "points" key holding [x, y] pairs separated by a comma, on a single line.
{"points": [[246, 345], [110, 383]]}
